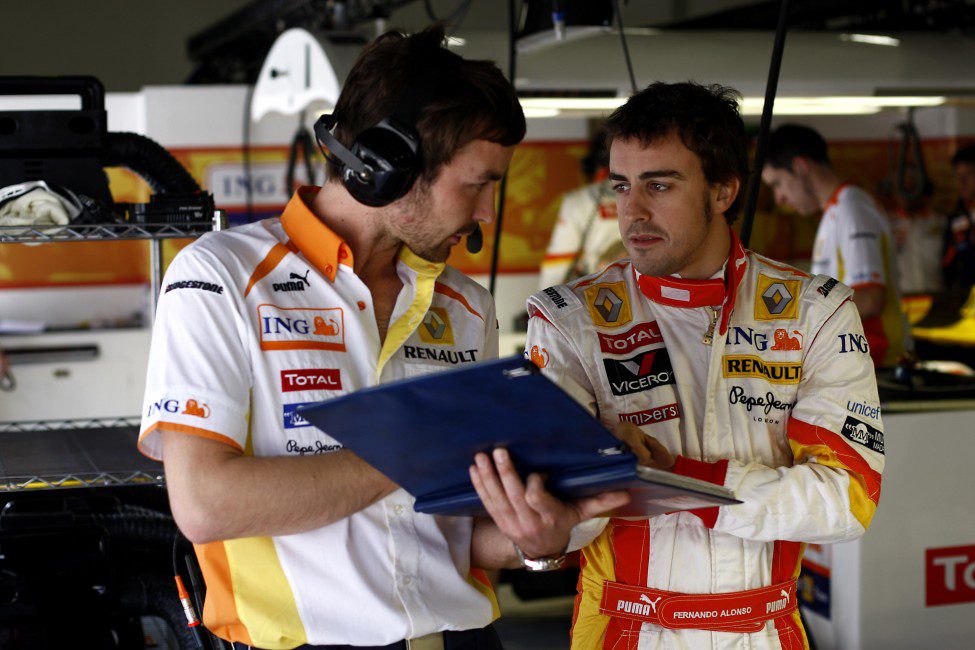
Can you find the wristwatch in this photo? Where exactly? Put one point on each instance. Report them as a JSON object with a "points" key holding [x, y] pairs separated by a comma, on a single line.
{"points": [[550, 563]]}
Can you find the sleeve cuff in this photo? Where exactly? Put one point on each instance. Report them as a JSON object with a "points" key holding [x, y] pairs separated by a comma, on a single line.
{"points": [[712, 473]]}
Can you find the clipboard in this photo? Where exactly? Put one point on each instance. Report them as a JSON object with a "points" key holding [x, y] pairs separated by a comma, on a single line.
{"points": [[424, 432]]}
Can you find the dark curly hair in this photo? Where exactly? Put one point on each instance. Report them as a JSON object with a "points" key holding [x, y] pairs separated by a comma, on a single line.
{"points": [[706, 118], [471, 100]]}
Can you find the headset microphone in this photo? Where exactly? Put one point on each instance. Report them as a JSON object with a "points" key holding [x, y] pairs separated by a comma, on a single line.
{"points": [[475, 240]]}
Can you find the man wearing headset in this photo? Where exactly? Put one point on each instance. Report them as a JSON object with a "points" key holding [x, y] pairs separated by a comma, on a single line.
{"points": [[301, 542]]}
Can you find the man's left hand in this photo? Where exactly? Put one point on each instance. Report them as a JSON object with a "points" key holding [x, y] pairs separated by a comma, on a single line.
{"points": [[526, 513]]}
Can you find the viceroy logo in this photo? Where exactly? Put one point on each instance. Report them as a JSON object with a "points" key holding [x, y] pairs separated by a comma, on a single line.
{"points": [[301, 328], [640, 373], [638, 336], [435, 328], [311, 379], [292, 419]]}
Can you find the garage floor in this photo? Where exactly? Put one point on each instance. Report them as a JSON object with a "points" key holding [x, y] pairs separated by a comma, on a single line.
{"points": [[533, 625]]}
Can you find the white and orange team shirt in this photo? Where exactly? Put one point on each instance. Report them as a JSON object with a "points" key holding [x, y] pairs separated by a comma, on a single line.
{"points": [[585, 232], [254, 322], [854, 244]]}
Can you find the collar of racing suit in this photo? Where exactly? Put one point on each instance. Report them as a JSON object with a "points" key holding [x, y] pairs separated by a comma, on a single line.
{"points": [[675, 291]]}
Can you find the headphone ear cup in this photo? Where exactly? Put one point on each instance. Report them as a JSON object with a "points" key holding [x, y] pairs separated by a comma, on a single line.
{"points": [[394, 162]]}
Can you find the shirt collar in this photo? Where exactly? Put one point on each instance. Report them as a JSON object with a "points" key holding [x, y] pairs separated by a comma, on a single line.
{"points": [[835, 196], [317, 242], [721, 290]]}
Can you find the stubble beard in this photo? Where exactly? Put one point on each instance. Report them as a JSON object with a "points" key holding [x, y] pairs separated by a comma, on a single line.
{"points": [[414, 229], [669, 261]]}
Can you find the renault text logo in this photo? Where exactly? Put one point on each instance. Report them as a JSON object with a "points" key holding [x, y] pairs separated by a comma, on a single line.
{"points": [[608, 304], [435, 327]]}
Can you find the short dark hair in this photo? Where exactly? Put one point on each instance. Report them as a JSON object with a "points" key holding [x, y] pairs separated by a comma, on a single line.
{"points": [[705, 116], [471, 100], [964, 155], [790, 141]]}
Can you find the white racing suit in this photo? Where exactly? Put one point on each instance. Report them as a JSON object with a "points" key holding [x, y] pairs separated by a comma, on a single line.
{"points": [[781, 407]]}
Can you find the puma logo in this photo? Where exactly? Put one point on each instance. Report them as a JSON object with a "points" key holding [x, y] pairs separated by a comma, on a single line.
{"points": [[302, 278], [653, 603]]}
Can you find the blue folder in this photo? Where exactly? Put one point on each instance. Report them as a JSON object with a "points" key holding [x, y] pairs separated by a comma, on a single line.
{"points": [[423, 434]]}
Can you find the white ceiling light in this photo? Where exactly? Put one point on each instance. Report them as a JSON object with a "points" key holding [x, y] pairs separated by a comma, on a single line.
{"points": [[541, 112], [871, 39], [832, 105], [456, 41]]}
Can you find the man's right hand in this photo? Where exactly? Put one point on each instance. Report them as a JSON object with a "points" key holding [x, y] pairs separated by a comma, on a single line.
{"points": [[649, 451]]}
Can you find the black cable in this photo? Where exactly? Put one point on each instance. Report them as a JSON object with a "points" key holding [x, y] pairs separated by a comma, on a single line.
{"points": [[454, 17], [626, 50], [512, 67], [772, 84]]}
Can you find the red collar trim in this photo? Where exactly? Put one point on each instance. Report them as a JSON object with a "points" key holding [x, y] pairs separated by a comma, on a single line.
{"points": [[680, 292]]}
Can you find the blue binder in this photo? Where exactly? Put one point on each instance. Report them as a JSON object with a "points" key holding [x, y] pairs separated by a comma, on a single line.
{"points": [[423, 434]]}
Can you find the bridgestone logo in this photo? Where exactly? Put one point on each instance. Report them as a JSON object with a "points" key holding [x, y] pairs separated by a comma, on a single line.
{"points": [[194, 284], [556, 298]]}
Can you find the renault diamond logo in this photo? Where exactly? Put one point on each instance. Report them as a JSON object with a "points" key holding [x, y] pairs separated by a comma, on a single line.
{"points": [[435, 325], [776, 298], [608, 304]]}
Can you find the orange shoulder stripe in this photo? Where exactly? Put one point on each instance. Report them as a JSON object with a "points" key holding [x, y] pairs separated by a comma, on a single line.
{"points": [[443, 289], [268, 264]]}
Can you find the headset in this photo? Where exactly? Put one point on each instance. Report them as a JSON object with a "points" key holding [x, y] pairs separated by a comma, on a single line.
{"points": [[385, 159]]}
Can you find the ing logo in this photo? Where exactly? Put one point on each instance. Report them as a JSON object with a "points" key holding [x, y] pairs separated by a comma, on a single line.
{"points": [[539, 356], [195, 408], [301, 328]]}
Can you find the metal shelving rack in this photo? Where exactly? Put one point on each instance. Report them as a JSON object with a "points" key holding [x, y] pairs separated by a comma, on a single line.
{"points": [[155, 234]]}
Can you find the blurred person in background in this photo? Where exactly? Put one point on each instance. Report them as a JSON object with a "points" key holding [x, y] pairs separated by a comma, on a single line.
{"points": [[959, 246], [586, 233], [853, 242]]}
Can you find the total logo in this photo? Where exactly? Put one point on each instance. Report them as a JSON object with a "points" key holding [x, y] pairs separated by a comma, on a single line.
{"points": [[639, 373], [638, 336], [173, 406], [311, 379], [949, 575], [301, 328]]}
